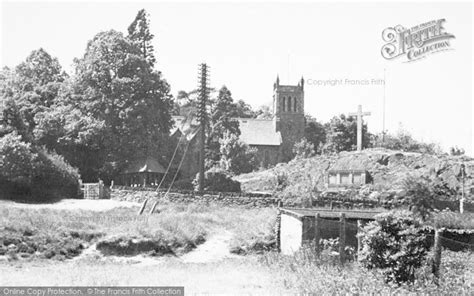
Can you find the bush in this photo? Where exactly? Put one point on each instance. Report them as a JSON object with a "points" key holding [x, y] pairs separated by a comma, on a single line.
{"points": [[32, 174], [303, 149], [396, 243], [217, 179]]}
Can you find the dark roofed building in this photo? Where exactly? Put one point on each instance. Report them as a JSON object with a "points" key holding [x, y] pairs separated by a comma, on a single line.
{"points": [[261, 135], [142, 172], [274, 138]]}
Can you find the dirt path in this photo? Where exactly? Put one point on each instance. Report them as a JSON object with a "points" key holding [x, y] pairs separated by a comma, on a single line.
{"points": [[210, 269], [216, 248]]}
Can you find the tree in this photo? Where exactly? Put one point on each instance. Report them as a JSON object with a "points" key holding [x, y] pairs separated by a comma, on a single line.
{"points": [[404, 141], [244, 110], [303, 149], [237, 157], [455, 151], [139, 34], [315, 133], [115, 84], [341, 134], [264, 112], [221, 122], [32, 87]]}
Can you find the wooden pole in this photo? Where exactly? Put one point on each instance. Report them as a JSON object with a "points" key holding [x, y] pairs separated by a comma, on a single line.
{"points": [[203, 95], [143, 207], [359, 239], [317, 234], [342, 238], [436, 255]]}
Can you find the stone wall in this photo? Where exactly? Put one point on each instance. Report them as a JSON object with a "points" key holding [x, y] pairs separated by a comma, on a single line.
{"points": [[230, 199]]}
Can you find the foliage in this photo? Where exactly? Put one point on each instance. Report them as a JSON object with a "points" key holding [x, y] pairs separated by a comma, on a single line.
{"points": [[34, 174], [396, 243], [419, 195], [341, 134], [221, 123], [455, 151], [31, 88], [216, 179], [453, 220], [303, 149], [404, 141], [237, 157], [116, 85], [139, 33], [306, 273], [315, 133], [264, 112]]}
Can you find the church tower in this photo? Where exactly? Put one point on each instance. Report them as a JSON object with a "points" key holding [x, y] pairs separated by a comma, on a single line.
{"points": [[288, 115]]}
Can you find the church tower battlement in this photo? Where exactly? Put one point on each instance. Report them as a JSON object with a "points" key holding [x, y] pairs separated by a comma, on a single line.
{"points": [[288, 114]]}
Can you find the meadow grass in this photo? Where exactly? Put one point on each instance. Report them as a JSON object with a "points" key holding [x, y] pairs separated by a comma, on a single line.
{"points": [[306, 273], [175, 227]]}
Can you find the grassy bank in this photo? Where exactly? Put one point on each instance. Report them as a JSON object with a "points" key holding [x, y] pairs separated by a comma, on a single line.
{"points": [[175, 228]]}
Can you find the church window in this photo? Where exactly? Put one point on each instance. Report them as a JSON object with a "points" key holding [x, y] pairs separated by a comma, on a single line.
{"points": [[284, 104], [294, 105], [289, 104]]}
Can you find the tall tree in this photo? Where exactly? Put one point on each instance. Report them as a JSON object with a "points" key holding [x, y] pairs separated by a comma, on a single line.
{"points": [[221, 123], [315, 133], [139, 33], [116, 85], [32, 87]]}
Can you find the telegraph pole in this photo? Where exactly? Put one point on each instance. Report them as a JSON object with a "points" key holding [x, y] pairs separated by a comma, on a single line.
{"points": [[461, 202], [203, 89]]}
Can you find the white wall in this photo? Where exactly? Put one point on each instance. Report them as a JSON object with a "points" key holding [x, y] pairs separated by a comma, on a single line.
{"points": [[291, 232]]}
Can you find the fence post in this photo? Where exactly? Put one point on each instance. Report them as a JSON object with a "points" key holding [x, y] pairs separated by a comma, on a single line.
{"points": [[342, 238], [143, 207], [278, 230], [317, 234], [436, 255], [359, 239]]}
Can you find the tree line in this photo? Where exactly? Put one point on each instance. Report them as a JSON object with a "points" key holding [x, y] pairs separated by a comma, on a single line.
{"points": [[116, 107]]}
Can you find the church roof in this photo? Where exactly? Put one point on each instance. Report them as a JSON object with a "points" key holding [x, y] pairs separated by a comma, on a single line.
{"points": [[258, 132], [149, 165]]}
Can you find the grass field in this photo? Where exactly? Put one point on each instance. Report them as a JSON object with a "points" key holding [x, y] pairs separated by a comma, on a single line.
{"points": [[174, 229], [56, 233]]}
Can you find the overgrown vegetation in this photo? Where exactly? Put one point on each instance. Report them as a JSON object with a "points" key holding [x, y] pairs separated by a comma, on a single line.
{"points": [[217, 179], [29, 173], [310, 274], [395, 243]]}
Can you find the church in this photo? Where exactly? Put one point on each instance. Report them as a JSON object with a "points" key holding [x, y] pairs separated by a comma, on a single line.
{"points": [[273, 139]]}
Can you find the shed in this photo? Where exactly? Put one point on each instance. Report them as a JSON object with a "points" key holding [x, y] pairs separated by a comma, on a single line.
{"points": [[142, 172], [347, 178], [297, 226]]}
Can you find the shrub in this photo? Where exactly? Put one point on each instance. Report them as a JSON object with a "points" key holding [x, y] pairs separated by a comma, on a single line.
{"points": [[237, 157], [396, 243], [31, 174], [54, 178], [216, 179], [419, 196], [303, 149]]}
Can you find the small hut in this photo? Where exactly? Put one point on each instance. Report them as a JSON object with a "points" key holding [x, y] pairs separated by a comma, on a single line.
{"points": [[298, 226], [142, 172]]}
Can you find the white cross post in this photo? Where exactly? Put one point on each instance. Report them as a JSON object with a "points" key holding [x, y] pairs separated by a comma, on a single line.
{"points": [[359, 115]]}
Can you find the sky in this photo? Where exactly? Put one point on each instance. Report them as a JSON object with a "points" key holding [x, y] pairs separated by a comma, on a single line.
{"points": [[247, 45]]}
